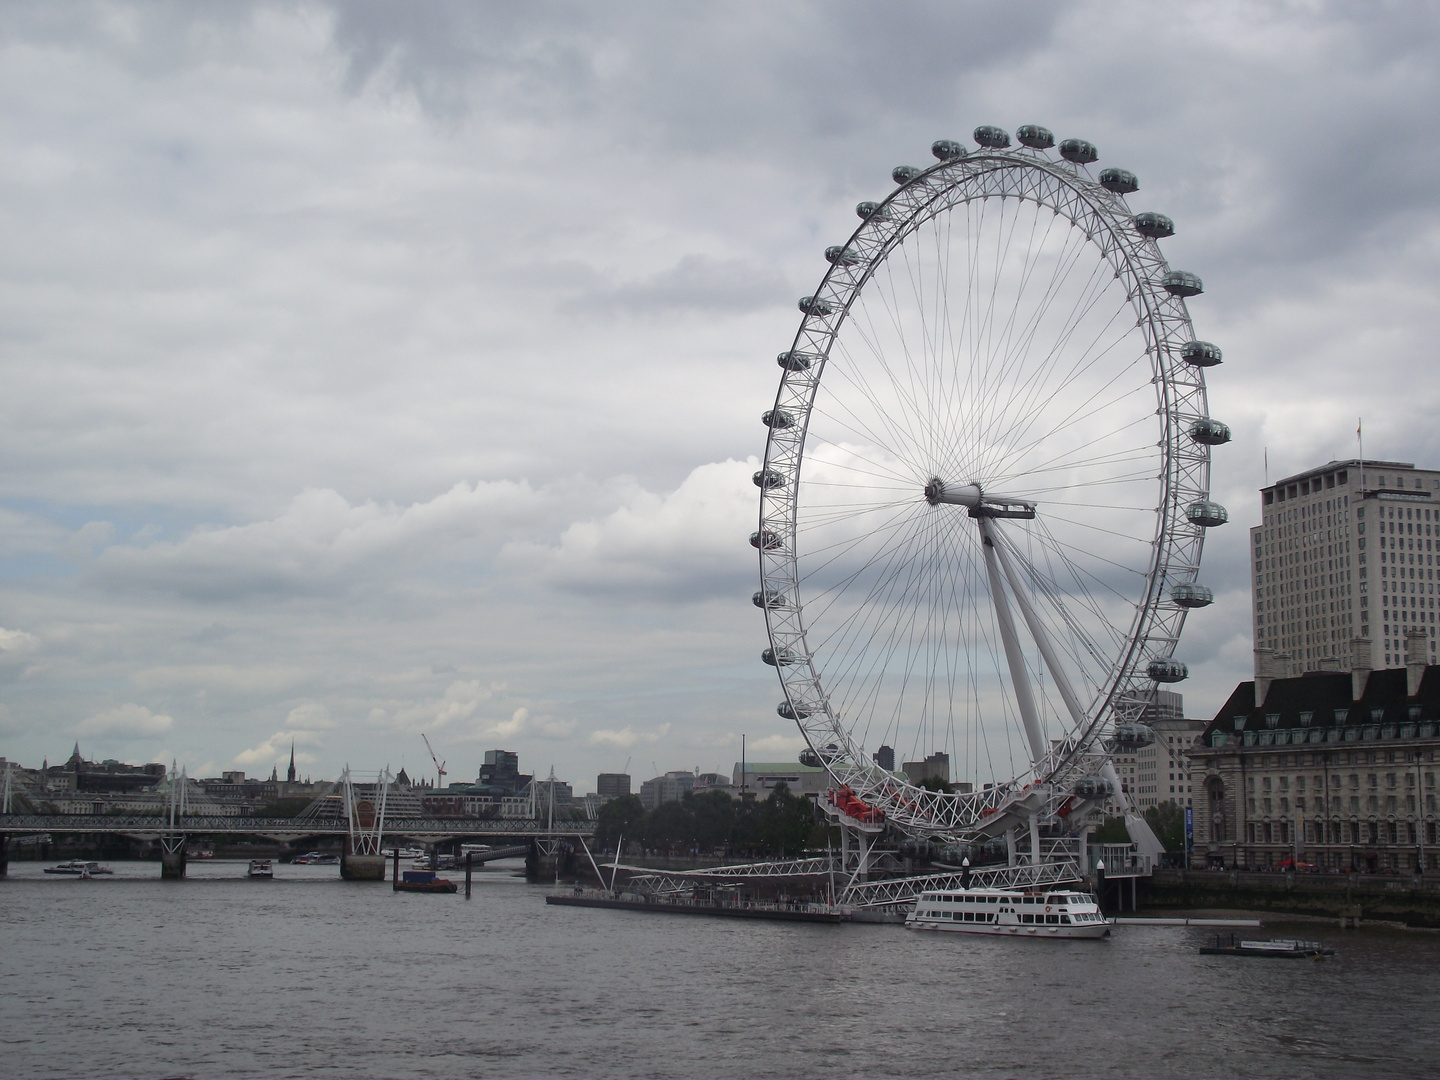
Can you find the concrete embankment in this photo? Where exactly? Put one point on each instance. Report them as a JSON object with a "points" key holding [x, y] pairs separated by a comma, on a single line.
{"points": [[1412, 899]]}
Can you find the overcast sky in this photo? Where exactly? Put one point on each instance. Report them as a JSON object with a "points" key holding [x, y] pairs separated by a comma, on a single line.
{"points": [[380, 368]]}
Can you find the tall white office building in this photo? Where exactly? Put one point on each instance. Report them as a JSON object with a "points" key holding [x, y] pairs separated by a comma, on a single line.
{"points": [[1344, 551]]}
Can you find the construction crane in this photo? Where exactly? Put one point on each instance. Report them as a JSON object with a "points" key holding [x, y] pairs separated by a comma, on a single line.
{"points": [[439, 765]]}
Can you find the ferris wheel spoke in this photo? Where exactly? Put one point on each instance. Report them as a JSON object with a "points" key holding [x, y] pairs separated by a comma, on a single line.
{"points": [[878, 639], [847, 450], [1013, 464], [1089, 408], [834, 552], [1064, 459], [1014, 353], [1009, 360], [894, 432], [903, 391], [891, 559], [1022, 386]]}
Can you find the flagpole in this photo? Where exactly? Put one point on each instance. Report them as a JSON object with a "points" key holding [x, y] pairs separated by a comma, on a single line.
{"points": [[1360, 439]]}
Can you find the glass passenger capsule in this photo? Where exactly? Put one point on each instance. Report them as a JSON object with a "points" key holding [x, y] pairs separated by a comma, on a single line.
{"points": [[867, 210], [769, 479], [1210, 432], [947, 149], [770, 539], [1168, 670], [1092, 787], [1120, 181], [795, 360], [1207, 514], [1035, 136], [992, 137], [1201, 353], [1155, 226], [903, 174], [778, 419], [768, 598], [817, 759], [798, 712], [814, 305], [775, 659], [1189, 595], [1182, 283], [1132, 736], [840, 255], [1079, 151]]}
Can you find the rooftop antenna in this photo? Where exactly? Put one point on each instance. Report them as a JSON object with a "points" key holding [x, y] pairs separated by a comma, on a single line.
{"points": [[1360, 441]]}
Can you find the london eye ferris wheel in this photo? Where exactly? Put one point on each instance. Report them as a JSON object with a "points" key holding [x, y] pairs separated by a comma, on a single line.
{"points": [[986, 483]]}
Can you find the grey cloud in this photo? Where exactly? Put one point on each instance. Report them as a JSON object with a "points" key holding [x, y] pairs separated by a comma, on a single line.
{"points": [[695, 283], [375, 250]]}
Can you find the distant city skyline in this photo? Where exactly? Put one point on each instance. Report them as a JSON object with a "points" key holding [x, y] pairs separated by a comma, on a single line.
{"points": [[376, 371]]}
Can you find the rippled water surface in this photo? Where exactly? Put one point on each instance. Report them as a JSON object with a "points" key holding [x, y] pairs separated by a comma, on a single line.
{"points": [[307, 975]]}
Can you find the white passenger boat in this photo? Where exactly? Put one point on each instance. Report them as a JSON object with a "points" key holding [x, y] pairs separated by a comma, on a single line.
{"points": [[1055, 914]]}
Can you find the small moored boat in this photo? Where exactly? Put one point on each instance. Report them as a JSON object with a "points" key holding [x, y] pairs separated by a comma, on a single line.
{"points": [[424, 881], [76, 868], [260, 868], [1283, 948]]}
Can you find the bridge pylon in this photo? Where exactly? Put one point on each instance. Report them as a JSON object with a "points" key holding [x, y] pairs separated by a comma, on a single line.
{"points": [[363, 858], [172, 840]]}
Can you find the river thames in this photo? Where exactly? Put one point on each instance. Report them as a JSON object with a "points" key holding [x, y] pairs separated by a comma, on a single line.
{"points": [[307, 975]]}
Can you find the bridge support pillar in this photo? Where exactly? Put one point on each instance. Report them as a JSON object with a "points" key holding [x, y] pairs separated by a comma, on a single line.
{"points": [[172, 857], [362, 867], [4, 854]]}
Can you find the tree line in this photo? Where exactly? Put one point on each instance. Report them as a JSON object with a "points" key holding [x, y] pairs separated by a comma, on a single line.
{"points": [[780, 825]]}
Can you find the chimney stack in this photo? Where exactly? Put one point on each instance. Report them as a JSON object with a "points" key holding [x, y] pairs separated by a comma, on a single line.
{"points": [[1417, 646], [1359, 666], [1264, 673]]}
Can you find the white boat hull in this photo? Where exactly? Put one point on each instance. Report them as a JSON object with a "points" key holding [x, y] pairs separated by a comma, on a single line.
{"points": [[1093, 930]]}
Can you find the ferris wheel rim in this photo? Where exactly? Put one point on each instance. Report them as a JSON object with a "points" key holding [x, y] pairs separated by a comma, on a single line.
{"points": [[1175, 548]]}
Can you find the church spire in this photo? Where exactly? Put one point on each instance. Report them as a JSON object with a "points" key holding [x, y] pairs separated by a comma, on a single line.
{"points": [[290, 773]]}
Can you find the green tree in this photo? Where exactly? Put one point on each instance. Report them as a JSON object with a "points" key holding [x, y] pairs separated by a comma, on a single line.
{"points": [[934, 783], [669, 825], [1167, 821], [1113, 831], [715, 814], [617, 818]]}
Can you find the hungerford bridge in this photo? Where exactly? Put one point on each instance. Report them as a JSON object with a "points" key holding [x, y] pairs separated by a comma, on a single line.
{"points": [[860, 874], [358, 816]]}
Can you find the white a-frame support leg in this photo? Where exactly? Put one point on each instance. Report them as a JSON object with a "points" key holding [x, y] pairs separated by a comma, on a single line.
{"points": [[1042, 639], [1019, 677]]}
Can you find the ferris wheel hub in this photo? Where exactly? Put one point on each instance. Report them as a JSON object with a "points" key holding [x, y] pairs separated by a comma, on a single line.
{"points": [[979, 503]]}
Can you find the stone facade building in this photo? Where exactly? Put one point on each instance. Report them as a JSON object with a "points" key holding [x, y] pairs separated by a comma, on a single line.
{"points": [[1346, 550], [1332, 768]]}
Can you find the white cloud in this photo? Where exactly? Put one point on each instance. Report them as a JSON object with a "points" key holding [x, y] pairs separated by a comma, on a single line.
{"points": [[276, 749], [17, 642], [318, 545], [687, 543], [309, 717], [457, 704], [783, 745], [128, 719], [626, 737]]}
